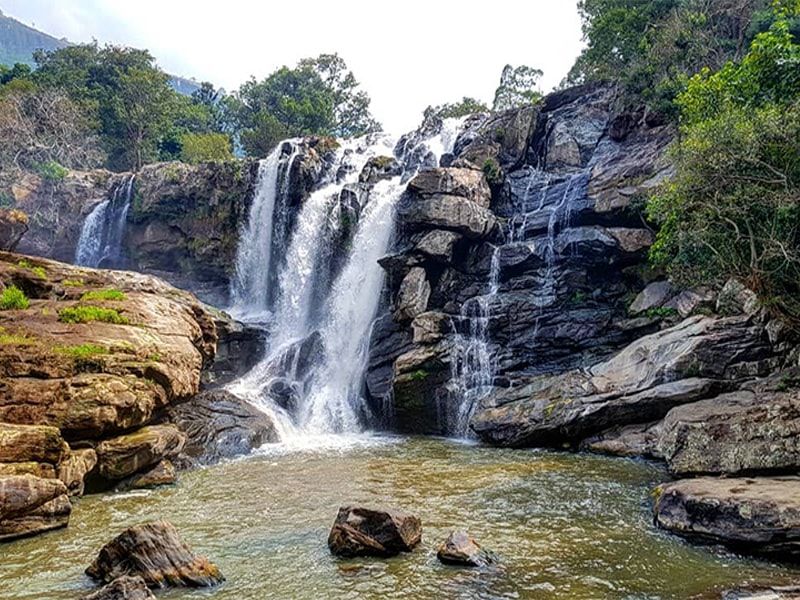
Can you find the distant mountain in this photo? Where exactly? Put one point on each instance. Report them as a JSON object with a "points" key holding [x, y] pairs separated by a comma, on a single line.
{"points": [[18, 42]]}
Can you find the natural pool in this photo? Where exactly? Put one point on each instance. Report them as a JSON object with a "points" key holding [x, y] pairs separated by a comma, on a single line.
{"points": [[565, 525]]}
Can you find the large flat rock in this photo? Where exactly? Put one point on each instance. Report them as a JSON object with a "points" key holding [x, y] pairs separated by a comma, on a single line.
{"points": [[30, 505], [751, 515]]}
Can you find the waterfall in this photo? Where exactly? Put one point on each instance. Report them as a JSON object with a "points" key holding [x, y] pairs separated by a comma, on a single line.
{"points": [[250, 289], [102, 235], [311, 377]]}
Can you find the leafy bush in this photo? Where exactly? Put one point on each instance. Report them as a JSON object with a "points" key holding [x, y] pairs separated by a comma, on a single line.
{"points": [[13, 298], [89, 314], [492, 171], [203, 147], [98, 295], [51, 171]]}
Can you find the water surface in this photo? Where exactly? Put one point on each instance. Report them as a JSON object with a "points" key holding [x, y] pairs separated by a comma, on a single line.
{"points": [[565, 525]]}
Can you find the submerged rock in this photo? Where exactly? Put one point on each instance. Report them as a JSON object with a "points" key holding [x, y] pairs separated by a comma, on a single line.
{"points": [[366, 532], [123, 588], [155, 552], [461, 549], [751, 515], [30, 505], [162, 474]]}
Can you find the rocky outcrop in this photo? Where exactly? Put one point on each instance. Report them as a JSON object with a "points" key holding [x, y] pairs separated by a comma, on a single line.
{"points": [[13, 225], [366, 532], [30, 505], [693, 360], [155, 552], [123, 588], [754, 515], [138, 452], [75, 468], [462, 550], [220, 425]]}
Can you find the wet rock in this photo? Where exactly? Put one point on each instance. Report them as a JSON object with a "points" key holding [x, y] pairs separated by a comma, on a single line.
{"points": [[749, 515], [123, 588], [74, 469], [736, 299], [31, 505], [379, 168], [155, 552], [772, 593], [452, 213], [462, 550], [412, 298], [466, 183], [654, 295], [239, 349], [365, 532], [13, 225], [747, 431], [639, 440], [162, 474], [220, 425], [135, 452]]}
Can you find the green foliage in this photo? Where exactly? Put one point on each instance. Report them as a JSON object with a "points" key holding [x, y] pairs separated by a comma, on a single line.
{"points": [[73, 283], [732, 210], [99, 295], [89, 314], [16, 339], [419, 375], [13, 298], [51, 171], [661, 312], [81, 351], [519, 86], [39, 271], [467, 106], [493, 171], [203, 147]]}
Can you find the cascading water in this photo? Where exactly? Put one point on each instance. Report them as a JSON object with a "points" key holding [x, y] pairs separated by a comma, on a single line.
{"points": [[250, 291], [103, 232], [310, 379]]}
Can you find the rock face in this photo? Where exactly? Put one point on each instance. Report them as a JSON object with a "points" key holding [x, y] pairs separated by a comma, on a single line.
{"points": [[123, 456], [30, 505], [123, 588], [219, 425], [156, 553], [366, 532], [462, 550], [754, 515], [13, 225], [528, 237]]}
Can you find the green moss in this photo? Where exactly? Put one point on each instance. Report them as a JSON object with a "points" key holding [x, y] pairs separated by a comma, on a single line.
{"points": [[98, 295], [73, 283], [661, 312], [89, 314], [788, 382], [37, 270], [154, 357], [81, 351], [16, 339], [493, 172], [419, 375], [13, 298], [579, 297]]}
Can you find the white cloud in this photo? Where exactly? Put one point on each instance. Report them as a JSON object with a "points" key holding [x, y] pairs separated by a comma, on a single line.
{"points": [[406, 54]]}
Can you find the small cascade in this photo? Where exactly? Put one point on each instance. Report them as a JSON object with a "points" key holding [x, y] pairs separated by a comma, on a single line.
{"points": [[103, 232], [311, 377], [250, 289]]}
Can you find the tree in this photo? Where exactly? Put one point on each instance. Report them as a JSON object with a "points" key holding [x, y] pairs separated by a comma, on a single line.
{"points": [[733, 207], [467, 106], [203, 147], [519, 86]]}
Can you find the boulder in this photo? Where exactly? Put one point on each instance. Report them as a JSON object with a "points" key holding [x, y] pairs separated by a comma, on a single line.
{"points": [[13, 225], [379, 168], [123, 456], [162, 474], [155, 552], [747, 431], [437, 245], [74, 469], [365, 532], [452, 213], [692, 301], [221, 425], [412, 298], [123, 588], [639, 440], [653, 296], [466, 183], [735, 298], [31, 443], [30, 505], [461, 549], [749, 515]]}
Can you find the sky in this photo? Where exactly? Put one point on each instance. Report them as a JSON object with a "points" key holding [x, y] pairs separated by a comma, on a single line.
{"points": [[407, 55]]}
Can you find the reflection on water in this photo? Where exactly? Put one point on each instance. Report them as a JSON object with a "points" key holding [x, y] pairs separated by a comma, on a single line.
{"points": [[565, 526]]}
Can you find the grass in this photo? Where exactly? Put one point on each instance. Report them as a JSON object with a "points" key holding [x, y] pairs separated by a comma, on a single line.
{"points": [[81, 351], [38, 271], [15, 339], [97, 295], [419, 375], [89, 314], [73, 283], [13, 298]]}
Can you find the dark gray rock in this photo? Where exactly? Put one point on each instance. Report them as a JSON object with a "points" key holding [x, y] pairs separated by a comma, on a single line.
{"points": [[412, 298], [452, 213], [365, 532], [654, 295]]}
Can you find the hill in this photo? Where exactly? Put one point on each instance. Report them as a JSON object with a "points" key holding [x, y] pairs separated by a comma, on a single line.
{"points": [[18, 41]]}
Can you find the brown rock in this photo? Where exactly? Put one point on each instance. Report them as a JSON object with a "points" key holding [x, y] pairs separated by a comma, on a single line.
{"points": [[467, 183], [461, 549], [30, 505], [366, 532], [162, 474], [155, 552], [123, 588], [135, 452], [13, 225], [75, 468], [29, 443]]}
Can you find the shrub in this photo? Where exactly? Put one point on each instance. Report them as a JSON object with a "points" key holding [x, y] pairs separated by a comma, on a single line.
{"points": [[492, 171], [51, 171], [13, 298], [203, 147], [89, 314], [99, 295]]}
